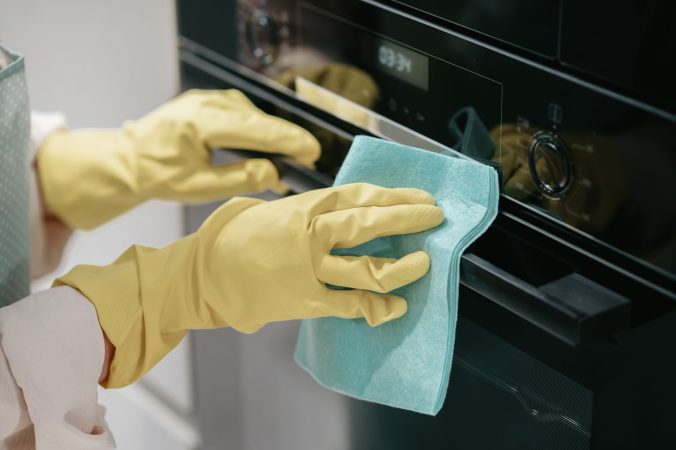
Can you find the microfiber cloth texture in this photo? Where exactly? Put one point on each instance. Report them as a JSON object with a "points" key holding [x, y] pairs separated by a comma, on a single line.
{"points": [[405, 363]]}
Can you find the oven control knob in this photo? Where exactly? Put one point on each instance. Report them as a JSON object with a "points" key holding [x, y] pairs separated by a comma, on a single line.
{"points": [[550, 165], [261, 36]]}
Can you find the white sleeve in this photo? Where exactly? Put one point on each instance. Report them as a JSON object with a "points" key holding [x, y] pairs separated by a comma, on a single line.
{"points": [[16, 429], [54, 347], [47, 238]]}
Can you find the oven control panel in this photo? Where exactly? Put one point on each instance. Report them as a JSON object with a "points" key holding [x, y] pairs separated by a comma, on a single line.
{"points": [[549, 164]]}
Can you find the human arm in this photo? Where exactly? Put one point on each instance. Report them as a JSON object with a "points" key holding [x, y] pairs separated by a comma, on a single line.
{"points": [[255, 262]]}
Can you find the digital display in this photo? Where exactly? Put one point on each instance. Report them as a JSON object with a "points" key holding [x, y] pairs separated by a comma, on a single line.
{"points": [[402, 63]]}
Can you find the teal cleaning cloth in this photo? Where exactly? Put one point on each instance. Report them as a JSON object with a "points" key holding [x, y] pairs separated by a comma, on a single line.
{"points": [[405, 363]]}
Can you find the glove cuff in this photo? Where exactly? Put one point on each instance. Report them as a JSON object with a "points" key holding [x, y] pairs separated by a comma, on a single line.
{"points": [[115, 292], [148, 298], [88, 177]]}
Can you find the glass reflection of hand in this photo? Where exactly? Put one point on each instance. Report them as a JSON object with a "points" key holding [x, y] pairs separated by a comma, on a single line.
{"points": [[348, 82], [597, 185], [513, 159]]}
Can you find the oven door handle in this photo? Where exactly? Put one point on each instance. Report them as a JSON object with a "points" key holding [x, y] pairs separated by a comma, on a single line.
{"points": [[572, 308]]}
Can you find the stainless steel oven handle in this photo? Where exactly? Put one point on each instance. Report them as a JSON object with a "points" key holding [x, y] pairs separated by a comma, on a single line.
{"points": [[572, 308]]}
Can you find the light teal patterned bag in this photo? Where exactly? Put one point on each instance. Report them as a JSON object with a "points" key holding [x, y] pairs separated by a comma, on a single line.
{"points": [[14, 141]]}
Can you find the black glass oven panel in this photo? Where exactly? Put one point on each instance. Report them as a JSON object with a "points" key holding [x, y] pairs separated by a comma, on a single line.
{"points": [[628, 378], [607, 394], [629, 42], [448, 88], [493, 386], [581, 156], [212, 23], [530, 24]]}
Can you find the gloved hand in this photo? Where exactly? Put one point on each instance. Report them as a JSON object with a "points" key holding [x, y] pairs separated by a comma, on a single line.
{"points": [[90, 176], [254, 262]]}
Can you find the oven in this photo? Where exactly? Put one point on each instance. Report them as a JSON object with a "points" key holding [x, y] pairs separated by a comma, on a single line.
{"points": [[567, 321]]}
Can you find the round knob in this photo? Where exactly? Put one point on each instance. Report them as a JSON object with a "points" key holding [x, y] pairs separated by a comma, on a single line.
{"points": [[261, 35], [550, 164]]}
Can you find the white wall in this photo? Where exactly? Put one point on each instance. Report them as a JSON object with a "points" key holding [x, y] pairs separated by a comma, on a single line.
{"points": [[100, 61], [103, 62]]}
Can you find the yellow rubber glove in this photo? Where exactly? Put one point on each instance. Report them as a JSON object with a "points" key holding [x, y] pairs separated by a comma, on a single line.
{"points": [[254, 262], [90, 176]]}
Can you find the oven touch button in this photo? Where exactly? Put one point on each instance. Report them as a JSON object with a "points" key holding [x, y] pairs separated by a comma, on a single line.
{"points": [[550, 164], [261, 36]]}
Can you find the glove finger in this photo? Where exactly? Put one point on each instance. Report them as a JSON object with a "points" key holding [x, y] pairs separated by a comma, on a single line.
{"points": [[279, 188], [521, 184], [352, 304], [288, 77], [248, 128], [371, 273], [361, 194], [351, 227], [211, 183], [508, 162], [351, 83]]}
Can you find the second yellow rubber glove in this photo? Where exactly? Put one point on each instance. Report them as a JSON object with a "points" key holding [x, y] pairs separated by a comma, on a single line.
{"points": [[254, 262], [91, 176]]}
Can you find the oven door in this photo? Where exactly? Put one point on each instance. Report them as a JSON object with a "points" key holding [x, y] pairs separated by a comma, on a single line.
{"points": [[547, 355]]}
